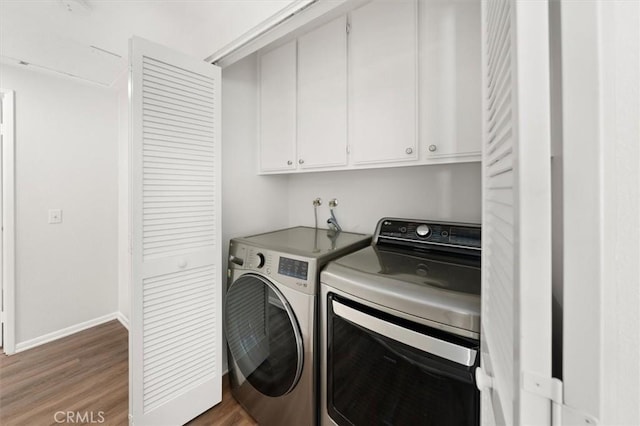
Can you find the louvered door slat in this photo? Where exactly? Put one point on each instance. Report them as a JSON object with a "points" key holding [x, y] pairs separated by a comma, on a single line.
{"points": [[163, 86], [516, 225], [154, 102], [498, 217], [156, 220], [176, 339], [499, 43], [178, 118], [177, 128], [174, 96], [160, 341], [182, 82], [161, 329], [176, 172], [186, 75], [192, 144]]}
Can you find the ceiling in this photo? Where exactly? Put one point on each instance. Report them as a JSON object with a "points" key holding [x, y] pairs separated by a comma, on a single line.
{"points": [[91, 43]]}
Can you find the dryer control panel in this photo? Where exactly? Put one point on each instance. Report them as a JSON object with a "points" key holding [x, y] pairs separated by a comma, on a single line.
{"points": [[435, 235]]}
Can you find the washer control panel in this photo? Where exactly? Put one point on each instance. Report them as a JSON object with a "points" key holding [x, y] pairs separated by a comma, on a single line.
{"points": [[293, 268], [293, 271], [419, 233]]}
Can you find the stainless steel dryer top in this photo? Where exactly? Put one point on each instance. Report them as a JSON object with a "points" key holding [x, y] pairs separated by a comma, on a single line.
{"points": [[425, 271]]}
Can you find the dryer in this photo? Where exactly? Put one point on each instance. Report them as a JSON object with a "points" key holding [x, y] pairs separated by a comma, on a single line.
{"points": [[271, 314], [401, 327]]}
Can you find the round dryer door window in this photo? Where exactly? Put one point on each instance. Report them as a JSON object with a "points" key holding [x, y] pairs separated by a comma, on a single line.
{"points": [[263, 335]]}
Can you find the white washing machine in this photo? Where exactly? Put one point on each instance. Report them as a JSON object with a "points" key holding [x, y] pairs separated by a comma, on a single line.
{"points": [[271, 320]]}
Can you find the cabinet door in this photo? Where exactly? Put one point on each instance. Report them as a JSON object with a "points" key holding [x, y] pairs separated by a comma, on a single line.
{"points": [[382, 82], [450, 86], [278, 108], [322, 96]]}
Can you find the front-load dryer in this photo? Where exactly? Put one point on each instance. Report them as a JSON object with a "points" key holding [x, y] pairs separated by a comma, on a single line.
{"points": [[271, 320]]}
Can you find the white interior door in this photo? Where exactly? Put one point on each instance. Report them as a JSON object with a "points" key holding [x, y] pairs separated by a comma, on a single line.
{"points": [[175, 336], [516, 271]]}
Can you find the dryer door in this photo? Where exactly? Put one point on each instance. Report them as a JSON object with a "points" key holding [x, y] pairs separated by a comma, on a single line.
{"points": [[263, 335]]}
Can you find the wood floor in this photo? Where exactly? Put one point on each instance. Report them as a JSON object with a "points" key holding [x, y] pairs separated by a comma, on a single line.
{"points": [[84, 373]]}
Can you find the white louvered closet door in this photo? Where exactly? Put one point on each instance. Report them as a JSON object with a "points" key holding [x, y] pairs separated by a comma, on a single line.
{"points": [[175, 343], [516, 271]]}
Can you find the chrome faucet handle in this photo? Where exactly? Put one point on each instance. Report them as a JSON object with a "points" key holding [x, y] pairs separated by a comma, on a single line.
{"points": [[317, 202], [333, 203]]}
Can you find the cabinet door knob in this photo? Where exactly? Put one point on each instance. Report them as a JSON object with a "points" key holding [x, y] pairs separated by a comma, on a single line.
{"points": [[432, 148], [301, 161], [289, 163], [409, 151]]}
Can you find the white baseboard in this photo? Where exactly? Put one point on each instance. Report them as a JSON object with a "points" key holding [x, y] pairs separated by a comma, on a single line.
{"points": [[123, 320], [50, 337]]}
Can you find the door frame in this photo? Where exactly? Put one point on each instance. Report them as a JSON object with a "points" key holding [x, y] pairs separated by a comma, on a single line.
{"points": [[601, 176], [8, 221]]}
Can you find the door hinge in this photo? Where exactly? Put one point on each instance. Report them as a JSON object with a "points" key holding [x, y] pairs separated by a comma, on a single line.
{"points": [[2, 316], [348, 149], [553, 390], [348, 27], [548, 387]]}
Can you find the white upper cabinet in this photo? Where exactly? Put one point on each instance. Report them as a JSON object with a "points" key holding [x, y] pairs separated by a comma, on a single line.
{"points": [[278, 108], [390, 83], [322, 96], [383, 82], [450, 78]]}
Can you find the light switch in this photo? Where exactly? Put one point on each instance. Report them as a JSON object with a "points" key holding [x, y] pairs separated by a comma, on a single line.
{"points": [[55, 216]]}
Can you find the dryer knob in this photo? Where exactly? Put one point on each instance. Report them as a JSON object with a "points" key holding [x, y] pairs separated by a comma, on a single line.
{"points": [[423, 230], [260, 260]]}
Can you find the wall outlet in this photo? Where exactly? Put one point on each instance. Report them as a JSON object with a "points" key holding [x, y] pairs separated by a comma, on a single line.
{"points": [[55, 216]]}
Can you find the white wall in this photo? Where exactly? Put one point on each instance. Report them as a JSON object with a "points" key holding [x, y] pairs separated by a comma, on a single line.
{"points": [[438, 192], [66, 158], [124, 259], [250, 203]]}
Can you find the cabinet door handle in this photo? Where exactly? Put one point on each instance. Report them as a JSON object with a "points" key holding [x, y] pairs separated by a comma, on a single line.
{"points": [[289, 163], [301, 161], [432, 148], [409, 151]]}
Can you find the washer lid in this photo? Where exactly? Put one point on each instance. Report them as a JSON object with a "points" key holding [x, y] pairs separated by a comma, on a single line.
{"points": [[438, 289]]}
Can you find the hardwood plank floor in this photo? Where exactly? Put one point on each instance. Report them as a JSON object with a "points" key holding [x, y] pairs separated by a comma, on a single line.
{"points": [[84, 373]]}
